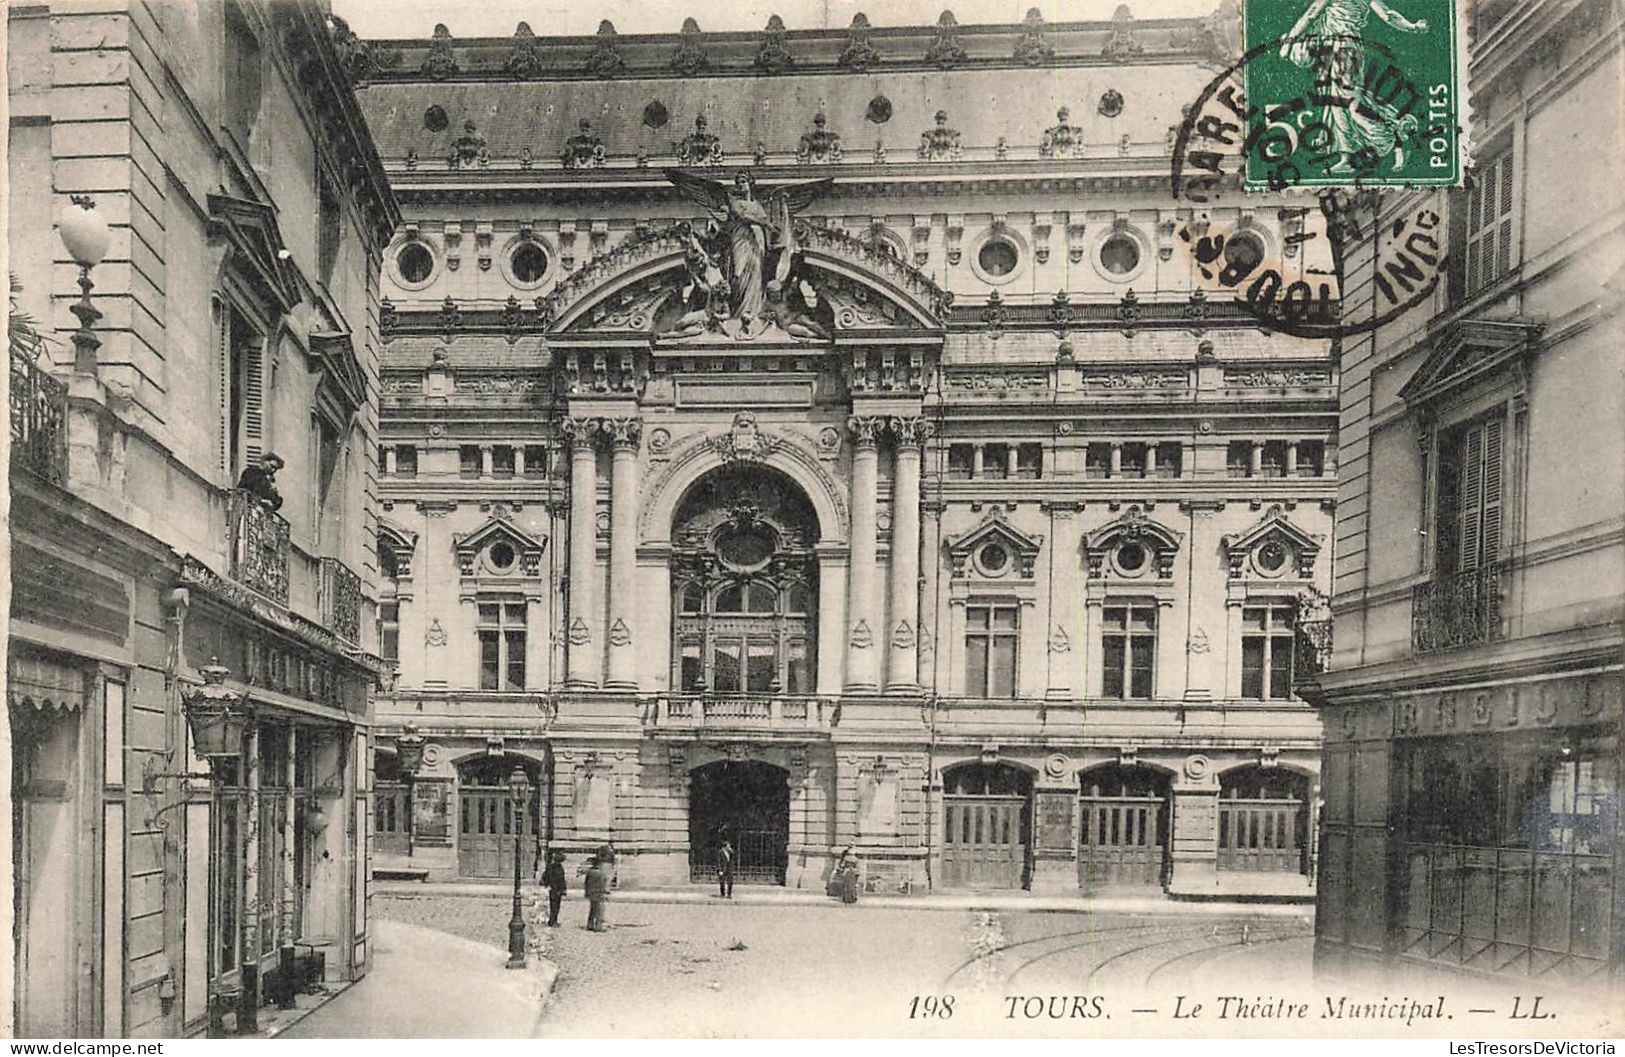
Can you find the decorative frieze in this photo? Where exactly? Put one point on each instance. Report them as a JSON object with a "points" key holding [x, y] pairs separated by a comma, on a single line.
{"points": [[940, 143]]}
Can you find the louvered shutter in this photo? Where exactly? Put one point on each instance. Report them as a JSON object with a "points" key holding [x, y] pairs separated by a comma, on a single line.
{"points": [[1472, 497], [1503, 241], [1490, 531], [1489, 224]]}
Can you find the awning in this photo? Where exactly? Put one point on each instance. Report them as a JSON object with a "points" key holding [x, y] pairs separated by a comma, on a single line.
{"points": [[43, 683]]}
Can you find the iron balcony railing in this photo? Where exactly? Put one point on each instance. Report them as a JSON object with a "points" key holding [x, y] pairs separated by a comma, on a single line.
{"points": [[1460, 609], [1312, 650], [341, 600], [39, 420], [259, 546]]}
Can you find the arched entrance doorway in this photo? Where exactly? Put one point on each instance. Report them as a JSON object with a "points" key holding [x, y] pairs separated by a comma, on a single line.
{"points": [[986, 825], [744, 585], [1123, 838], [486, 819], [746, 802], [1263, 820]]}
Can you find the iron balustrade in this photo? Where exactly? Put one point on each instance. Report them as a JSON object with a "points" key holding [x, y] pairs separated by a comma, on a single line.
{"points": [[1460, 609], [259, 546], [39, 420], [341, 600], [1312, 649]]}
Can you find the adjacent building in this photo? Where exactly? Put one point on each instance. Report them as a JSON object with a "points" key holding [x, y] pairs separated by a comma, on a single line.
{"points": [[1472, 713], [839, 438], [217, 153]]}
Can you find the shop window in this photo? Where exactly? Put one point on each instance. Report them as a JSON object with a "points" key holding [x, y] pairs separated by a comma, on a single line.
{"points": [[1266, 650], [1128, 650], [501, 631], [992, 631]]}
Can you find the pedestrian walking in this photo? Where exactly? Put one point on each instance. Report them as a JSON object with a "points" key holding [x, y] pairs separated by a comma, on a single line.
{"points": [[725, 870], [553, 880], [606, 859], [597, 894]]}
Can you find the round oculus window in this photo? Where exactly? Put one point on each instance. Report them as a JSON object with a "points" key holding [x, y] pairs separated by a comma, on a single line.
{"points": [[993, 558], [500, 556], [1270, 558], [998, 257], [414, 262], [528, 263], [1131, 558], [1243, 253], [1120, 255], [747, 548]]}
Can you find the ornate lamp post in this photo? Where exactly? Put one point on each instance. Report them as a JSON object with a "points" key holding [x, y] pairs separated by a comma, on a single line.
{"points": [[409, 750], [84, 232], [519, 788]]}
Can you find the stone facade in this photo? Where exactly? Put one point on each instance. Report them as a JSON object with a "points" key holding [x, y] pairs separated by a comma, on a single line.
{"points": [[976, 531], [1472, 713], [233, 315]]}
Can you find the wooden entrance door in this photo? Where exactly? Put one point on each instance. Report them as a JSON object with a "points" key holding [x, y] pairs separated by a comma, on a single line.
{"points": [[983, 841], [1262, 835], [485, 832], [1121, 841]]}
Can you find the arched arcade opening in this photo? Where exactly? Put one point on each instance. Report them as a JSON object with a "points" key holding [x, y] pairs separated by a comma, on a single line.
{"points": [[744, 802], [986, 826]]}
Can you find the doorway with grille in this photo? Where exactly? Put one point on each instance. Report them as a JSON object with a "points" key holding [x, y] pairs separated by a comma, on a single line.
{"points": [[747, 803], [486, 819], [1123, 835], [986, 826]]}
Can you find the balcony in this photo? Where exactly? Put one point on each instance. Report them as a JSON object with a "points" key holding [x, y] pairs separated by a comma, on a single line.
{"points": [[1461, 609], [39, 421], [259, 546], [341, 600], [742, 711]]}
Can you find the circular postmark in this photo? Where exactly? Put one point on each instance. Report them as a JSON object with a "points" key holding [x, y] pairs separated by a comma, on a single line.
{"points": [[1224, 138]]}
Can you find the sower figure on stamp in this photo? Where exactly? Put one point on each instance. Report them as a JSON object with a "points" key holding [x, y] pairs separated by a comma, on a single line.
{"points": [[597, 894], [725, 870], [1330, 35], [553, 880]]}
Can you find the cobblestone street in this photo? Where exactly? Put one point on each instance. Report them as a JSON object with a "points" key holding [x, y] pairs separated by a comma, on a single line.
{"points": [[752, 970]]}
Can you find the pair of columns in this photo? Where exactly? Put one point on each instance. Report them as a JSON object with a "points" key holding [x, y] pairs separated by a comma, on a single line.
{"points": [[866, 637], [586, 636]]}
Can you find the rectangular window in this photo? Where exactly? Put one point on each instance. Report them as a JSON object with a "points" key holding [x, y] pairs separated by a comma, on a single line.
{"points": [[762, 665], [725, 663], [328, 222], [469, 462], [535, 460], [245, 395], [692, 671], [960, 461], [1266, 651], [1097, 460], [406, 460], [502, 645], [797, 671], [1488, 231], [1133, 460], [1311, 458], [1272, 460], [991, 634], [389, 630], [1170, 459], [996, 461], [502, 461], [329, 500], [1129, 647], [1238, 458], [1030, 461], [1467, 527]]}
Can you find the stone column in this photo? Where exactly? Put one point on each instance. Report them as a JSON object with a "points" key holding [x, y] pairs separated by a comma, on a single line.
{"points": [[1255, 463], [623, 551], [1116, 469], [862, 666], [902, 671], [487, 468], [1292, 458], [581, 660], [519, 460], [391, 466]]}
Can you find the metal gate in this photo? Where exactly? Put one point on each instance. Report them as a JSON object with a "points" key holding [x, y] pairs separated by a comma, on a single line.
{"points": [[1261, 835], [761, 856], [485, 832], [1122, 841], [984, 841]]}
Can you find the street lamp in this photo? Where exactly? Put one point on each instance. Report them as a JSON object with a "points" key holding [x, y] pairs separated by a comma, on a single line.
{"points": [[409, 751], [84, 232], [519, 788]]}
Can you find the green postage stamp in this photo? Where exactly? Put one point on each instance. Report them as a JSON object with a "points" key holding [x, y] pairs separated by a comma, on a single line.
{"points": [[1352, 93]]}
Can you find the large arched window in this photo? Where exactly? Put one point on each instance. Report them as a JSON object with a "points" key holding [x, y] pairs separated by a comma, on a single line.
{"points": [[744, 585]]}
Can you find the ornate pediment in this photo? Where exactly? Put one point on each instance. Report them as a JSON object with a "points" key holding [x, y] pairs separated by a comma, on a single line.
{"points": [[1466, 351], [259, 256], [1132, 546], [1274, 547], [499, 548], [400, 544], [342, 379], [993, 550]]}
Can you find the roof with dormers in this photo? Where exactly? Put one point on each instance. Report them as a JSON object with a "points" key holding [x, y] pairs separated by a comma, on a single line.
{"points": [[760, 90]]}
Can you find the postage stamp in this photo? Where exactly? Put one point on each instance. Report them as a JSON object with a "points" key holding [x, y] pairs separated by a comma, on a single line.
{"points": [[1352, 93]]}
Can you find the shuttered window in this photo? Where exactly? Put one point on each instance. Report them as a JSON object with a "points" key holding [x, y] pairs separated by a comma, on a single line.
{"points": [[242, 364], [1468, 524], [1489, 224]]}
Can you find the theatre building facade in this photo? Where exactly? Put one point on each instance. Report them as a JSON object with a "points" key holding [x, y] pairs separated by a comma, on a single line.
{"points": [[838, 438]]}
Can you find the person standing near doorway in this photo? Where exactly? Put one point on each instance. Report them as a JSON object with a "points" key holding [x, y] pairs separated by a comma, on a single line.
{"points": [[725, 870], [597, 895], [553, 880]]}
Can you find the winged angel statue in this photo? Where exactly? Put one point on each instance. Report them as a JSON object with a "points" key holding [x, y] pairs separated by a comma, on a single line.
{"points": [[743, 264]]}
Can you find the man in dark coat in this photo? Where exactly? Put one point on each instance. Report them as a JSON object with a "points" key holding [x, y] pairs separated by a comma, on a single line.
{"points": [[725, 870], [597, 895], [553, 880]]}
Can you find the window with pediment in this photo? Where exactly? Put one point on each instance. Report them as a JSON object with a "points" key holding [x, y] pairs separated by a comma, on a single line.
{"points": [[744, 585], [1132, 547], [1273, 549]]}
